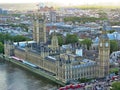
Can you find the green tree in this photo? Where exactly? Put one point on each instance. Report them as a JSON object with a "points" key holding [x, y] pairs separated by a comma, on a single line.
{"points": [[60, 40], [115, 23], [116, 86], [5, 37], [1, 47], [71, 38], [111, 31], [19, 38], [23, 26], [114, 70], [103, 15], [1, 37], [87, 42], [84, 19], [16, 15], [83, 80], [113, 46]]}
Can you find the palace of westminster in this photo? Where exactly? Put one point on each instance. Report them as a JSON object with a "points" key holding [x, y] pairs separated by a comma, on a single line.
{"points": [[66, 64]]}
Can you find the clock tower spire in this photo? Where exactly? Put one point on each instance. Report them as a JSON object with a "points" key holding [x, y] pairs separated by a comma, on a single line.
{"points": [[104, 50]]}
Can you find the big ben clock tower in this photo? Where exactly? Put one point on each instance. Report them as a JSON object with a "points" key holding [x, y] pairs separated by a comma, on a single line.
{"points": [[104, 50]]}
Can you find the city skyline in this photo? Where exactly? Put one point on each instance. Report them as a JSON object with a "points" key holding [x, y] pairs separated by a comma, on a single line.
{"points": [[70, 2]]}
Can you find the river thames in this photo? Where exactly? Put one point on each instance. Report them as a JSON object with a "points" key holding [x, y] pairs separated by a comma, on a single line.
{"points": [[16, 78]]}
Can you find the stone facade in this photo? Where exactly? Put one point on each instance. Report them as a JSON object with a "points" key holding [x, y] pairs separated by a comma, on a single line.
{"points": [[104, 51], [39, 28], [66, 65]]}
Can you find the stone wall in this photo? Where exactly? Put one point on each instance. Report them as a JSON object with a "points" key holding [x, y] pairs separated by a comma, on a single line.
{"points": [[36, 59]]}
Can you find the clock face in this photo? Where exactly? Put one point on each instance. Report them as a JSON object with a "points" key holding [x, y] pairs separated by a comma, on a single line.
{"points": [[106, 44], [100, 44]]}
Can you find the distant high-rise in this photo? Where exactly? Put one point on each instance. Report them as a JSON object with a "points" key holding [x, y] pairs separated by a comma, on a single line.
{"points": [[3, 11], [52, 16], [0, 11]]}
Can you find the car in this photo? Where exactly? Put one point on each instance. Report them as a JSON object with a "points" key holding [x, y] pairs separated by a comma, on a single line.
{"points": [[116, 79]]}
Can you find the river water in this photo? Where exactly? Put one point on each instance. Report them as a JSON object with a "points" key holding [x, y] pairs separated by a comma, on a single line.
{"points": [[16, 78]]}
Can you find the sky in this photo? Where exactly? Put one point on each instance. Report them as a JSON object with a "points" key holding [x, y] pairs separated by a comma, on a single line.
{"points": [[65, 2]]}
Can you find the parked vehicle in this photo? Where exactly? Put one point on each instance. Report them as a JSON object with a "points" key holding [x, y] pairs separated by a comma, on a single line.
{"points": [[71, 87]]}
